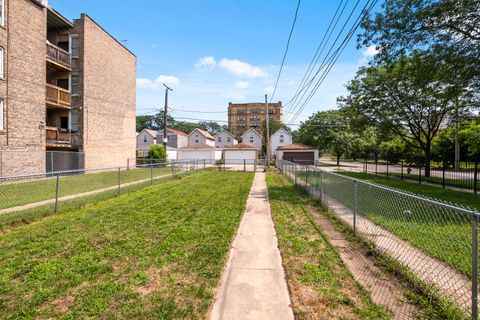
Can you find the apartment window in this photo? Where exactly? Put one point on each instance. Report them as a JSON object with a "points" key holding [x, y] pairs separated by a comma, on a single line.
{"points": [[74, 84], [2, 74], [2, 126], [2, 12], [251, 139], [197, 138], [169, 138], [145, 139], [74, 45], [229, 139], [282, 138], [219, 139]]}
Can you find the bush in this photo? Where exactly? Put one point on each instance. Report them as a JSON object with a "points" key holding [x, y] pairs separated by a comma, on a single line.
{"points": [[157, 152]]}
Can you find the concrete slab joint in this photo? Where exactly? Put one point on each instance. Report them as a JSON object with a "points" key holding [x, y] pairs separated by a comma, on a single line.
{"points": [[253, 285]]}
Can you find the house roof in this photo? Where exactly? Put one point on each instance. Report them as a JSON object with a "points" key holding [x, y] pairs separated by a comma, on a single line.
{"points": [[204, 133], [151, 132], [227, 132], [280, 130], [296, 146], [198, 147], [249, 130], [178, 132], [240, 146]]}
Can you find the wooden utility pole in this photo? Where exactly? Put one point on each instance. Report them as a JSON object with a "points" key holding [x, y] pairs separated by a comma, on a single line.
{"points": [[267, 116], [165, 111]]}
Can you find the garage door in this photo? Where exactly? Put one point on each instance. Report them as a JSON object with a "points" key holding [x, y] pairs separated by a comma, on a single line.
{"points": [[195, 155], [237, 156], [300, 157]]}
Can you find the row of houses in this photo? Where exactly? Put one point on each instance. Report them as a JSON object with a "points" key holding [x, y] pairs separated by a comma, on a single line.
{"points": [[201, 145]]}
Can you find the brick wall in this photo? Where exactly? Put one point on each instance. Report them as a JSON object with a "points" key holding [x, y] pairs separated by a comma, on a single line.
{"points": [[23, 89], [108, 94]]}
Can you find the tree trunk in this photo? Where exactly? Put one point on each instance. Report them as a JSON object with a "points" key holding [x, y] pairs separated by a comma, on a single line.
{"points": [[338, 160], [428, 158], [354, 156]]}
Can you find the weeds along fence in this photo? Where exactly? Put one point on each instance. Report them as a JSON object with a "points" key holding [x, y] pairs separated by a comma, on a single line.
{"points": [[24, 197], [433, 243]]}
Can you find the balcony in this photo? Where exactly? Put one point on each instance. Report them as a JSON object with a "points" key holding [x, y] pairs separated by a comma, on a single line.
{"points": [[59, 57], [58, 138], [58, 97]]}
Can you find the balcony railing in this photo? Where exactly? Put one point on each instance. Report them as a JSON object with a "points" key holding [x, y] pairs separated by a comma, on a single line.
{"points": [[58, 97], [59, 56], [58, 137]]}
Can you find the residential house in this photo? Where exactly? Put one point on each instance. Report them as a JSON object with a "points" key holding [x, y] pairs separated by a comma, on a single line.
{"points": [[145, 139], [279, 139], [175, 138], [252, 137], [298, 153], [225, 139], [77, 86], [201, 146], [245, 116]]}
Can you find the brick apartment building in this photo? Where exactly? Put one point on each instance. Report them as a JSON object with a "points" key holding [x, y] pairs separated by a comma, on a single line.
{"points": [[243, 116], [64, 86]]}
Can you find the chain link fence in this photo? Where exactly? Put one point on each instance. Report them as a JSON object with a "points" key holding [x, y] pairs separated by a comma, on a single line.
{"points": [[24, 197], [433, 243]]}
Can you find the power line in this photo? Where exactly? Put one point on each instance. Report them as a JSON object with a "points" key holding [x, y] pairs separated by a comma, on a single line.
{"points": [[286, 50], [332, 59], [307, 85], [320, 48]]}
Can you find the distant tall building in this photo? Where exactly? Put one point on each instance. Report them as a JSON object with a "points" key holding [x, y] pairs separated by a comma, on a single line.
{"points": [[243, 116]]}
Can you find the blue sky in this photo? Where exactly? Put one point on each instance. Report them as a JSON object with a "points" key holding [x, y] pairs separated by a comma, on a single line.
{"points": [[212, 52]]}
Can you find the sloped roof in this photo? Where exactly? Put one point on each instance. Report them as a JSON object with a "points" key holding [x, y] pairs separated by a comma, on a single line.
{"points": [[204, 133], [240, 146], [151, 132], [178, 132], [296, 146], [281, 129], [227, 132], [258, 133]]}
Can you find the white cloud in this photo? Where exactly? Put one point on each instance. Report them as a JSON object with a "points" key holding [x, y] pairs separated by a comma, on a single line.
{"points": [[208, 62], [158, 82], [242, 84], [242, 69], [268, 89], [370, 51]]}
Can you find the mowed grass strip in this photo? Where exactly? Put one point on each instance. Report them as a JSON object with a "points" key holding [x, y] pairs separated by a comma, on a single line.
{"points": [[320, 285], [442, 233], [14, 194], [156, 253]]}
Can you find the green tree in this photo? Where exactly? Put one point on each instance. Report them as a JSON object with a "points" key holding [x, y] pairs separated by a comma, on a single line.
{"points": [[471, 136], [157, 152], [411, 98], [145, 122]]}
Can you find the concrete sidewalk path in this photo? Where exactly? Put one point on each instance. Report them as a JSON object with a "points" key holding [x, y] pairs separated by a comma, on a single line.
{"points": [[253, 285]]}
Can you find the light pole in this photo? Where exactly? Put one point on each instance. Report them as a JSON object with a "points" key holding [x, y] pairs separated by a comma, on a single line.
{"points": [[165, 116]]}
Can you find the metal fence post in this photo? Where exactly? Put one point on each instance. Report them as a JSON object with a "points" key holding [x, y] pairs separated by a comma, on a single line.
{"points": [[354, 207], [475, 265], [244, 165], [401, 172], [119, 180], [295, 173], [321, 187], [420, 174], [56, 192], [443, 174], [475, 176], [387, 168], [151, 174]]}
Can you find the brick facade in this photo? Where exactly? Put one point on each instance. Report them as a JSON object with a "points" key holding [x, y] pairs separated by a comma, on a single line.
{"points": [[245, 116], [103, 112]]}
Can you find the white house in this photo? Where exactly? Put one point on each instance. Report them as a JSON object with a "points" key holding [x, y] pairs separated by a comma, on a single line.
{"points": [[252, 137], [225, 139], [279, 139], [145, 139], [298, 153], [201, 146]]}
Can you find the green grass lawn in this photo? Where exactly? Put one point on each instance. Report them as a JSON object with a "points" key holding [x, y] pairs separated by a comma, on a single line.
{"points": [[442, 233], [156, 253], [17, 194], [320, 285]]}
